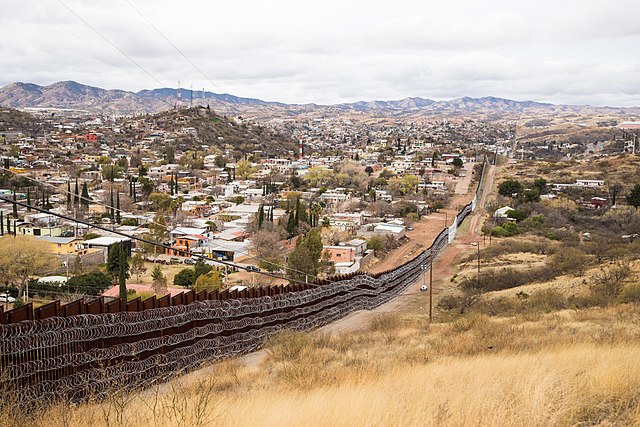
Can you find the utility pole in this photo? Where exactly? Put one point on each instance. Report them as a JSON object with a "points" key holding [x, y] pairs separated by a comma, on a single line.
{"points": [[478, 246], [430, 285]]}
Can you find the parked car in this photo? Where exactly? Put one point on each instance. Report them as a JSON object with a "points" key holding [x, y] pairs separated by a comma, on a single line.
{"points": [[190, 261], [253, 268], [7, 298], [175, 260]]}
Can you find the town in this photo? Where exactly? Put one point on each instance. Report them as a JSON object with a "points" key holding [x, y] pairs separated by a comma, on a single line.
{"points": [[189, 195]]}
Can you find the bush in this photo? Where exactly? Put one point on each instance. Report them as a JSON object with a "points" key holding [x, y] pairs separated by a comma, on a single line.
{"points": [[508, 229], [568, 260], [630, 294], [93, 283], [378, 244], [185, 278], [506, 278], [608, 282], [517, 214]]}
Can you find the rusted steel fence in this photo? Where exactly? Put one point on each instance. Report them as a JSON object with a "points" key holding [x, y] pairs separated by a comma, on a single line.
{"points": [[87, 349]]}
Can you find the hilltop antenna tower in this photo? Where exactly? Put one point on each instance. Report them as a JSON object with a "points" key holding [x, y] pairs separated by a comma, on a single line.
{"points": [[301, 148]]}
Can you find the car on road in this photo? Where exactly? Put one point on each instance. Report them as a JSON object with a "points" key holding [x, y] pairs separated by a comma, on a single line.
{"points": [[253, 268], [7, 298], [190, 261], [175, 260]]}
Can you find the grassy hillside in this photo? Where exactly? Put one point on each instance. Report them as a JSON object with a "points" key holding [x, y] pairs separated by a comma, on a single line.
{"points": [[562, 368]]}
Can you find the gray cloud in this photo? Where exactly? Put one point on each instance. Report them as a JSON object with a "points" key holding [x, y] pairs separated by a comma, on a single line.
{"points": [[336, 51]]}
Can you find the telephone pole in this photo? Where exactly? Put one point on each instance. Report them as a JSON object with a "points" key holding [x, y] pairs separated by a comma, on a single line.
{"points": [[430, 285]]}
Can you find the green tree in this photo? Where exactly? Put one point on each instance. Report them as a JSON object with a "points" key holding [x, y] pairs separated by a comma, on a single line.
{"points": [[368, 170], [244, 169], [377, 243], [117, 263], [541, 185], [201, 268], [530, 195], [159, 201], [457, 163], [633, 198], [517, 214], [169, 154], [84, 200], [300, 264], [158, 280], [313, 241], [185, 278], [509, 187], [111, 172], [92, 283]]}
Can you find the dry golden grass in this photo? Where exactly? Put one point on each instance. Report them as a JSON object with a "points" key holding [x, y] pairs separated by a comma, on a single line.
{"points": [[566, 368]]}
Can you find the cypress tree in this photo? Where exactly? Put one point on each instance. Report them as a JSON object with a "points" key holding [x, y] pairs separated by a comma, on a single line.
{"points": [[85, 196], [44, 204], [118, 207], [271, 214], [76, 194], [49, 205], [8, 225], [291, 225], [28, 199], [1, 223], [260, 216], [68, 195], [111, 212]]}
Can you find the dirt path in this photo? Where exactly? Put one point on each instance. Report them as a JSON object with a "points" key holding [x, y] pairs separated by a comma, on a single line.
{"points": [[443, 268]]}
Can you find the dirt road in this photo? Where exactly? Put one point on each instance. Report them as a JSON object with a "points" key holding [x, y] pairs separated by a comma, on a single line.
{"points": [[443, 268], [421, 237]]}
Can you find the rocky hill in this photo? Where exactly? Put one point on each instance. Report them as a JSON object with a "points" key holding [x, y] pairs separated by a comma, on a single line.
{"points": [[217, 130]]}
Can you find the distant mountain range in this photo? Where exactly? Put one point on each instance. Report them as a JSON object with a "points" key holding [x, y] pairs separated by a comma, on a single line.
{"points": [[70, 94]]}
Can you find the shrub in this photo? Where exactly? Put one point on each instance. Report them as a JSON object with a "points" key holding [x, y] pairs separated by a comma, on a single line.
{"points": [[93, 283], [568, 260], [547, 300], [377, 243], [185, 277], [630, 293], [517, 214], [608, 282]]}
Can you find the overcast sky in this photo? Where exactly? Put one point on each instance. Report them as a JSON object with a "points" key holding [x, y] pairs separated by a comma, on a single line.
{"points": [[561, 51]]}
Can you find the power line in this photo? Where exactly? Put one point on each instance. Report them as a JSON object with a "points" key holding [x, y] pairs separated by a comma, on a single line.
{"points": [[110, 42], [140, 239], [172, 44], [166, 227]]}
